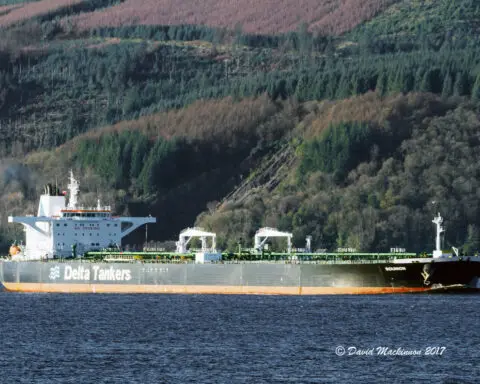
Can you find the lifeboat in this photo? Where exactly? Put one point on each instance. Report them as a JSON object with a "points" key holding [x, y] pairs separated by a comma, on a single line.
{"points": [[14, 250]]}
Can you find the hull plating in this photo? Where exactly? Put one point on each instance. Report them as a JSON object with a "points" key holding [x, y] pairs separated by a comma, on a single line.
{"points": [[242, 278]]}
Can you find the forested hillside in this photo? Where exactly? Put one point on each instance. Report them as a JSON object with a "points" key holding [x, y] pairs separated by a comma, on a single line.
{"points": [[369, 174], [347, 134]]}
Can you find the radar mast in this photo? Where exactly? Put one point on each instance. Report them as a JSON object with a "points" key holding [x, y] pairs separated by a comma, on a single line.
{"points": [[73, 188]]}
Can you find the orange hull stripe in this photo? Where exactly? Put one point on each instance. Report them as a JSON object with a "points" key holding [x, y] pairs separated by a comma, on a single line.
{"points": [[203, 289]]}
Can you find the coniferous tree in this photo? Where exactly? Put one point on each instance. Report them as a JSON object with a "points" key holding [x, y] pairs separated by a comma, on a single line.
{"points": [[476, 89], [382, 83], [447, 88], [461, 85]]}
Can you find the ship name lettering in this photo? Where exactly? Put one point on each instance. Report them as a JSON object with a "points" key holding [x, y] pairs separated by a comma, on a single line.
{"points": [[79, 228], [395, 268]]}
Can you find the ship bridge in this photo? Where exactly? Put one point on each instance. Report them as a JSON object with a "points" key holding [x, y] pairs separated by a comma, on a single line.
{"points": [[61, 230], [89, 212]]}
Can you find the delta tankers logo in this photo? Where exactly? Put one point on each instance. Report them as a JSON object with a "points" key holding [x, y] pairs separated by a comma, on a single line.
{"points": [[54, 273], [95, 273]]}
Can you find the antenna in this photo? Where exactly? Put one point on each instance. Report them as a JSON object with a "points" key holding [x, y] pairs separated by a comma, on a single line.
{"points": [[308, 244], [438, 220], [73, 187]]}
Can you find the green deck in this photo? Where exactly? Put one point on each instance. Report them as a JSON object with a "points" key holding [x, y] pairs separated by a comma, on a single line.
{"points": [[250, 256]]}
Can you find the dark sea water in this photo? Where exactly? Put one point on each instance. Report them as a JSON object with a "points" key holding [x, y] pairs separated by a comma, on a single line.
{"points": [[61, 338]]}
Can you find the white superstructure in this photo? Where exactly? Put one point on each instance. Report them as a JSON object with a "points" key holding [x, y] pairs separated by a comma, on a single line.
{"points": [[267, 232], [187, 234], [65, 230], [206, 254]]}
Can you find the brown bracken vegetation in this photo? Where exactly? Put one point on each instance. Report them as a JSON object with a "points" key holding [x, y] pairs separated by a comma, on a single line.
{"points": [[267, 17], [219, 120], [4, 9], [17, 13], [371, 108]]}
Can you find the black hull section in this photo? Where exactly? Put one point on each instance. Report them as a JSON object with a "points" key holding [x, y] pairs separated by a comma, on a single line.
{"points": [[267, 278]]}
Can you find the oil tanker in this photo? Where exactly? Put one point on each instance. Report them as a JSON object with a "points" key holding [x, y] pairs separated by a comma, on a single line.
{"points": [[70, 249]]}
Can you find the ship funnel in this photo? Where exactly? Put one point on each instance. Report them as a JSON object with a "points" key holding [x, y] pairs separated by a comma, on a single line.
{"points": [[51, 202]]}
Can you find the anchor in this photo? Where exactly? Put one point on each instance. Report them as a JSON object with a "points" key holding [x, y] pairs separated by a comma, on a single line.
{"points": [[425, 276], [427, 273]]}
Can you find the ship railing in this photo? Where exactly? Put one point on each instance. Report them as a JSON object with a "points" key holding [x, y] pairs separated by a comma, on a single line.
{"points": [[323, 262], [385, 261], [94, 209], [119, 259], [133, 259]]}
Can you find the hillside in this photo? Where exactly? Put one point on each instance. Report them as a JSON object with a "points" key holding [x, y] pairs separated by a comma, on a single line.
{"points": [[270, 17], [170, 164], [427, 18], [264, 17], [305, 130], [18, 11], [355, 191], [51, 93], [369, 173]]}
